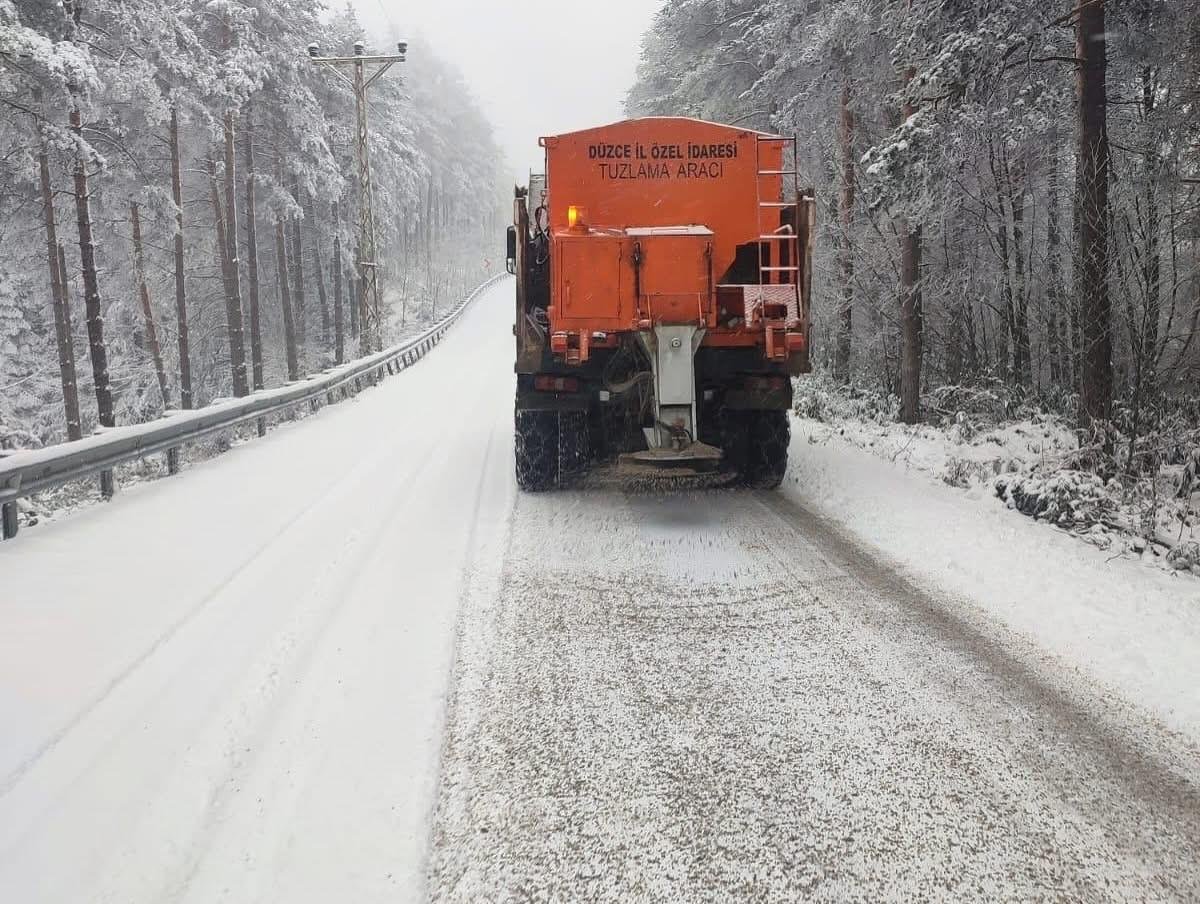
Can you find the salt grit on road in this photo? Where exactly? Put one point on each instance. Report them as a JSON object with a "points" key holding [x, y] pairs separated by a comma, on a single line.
{"points": [[717, 697]]}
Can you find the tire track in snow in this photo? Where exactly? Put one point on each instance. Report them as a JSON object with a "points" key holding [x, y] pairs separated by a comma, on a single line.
{"points": [[1156, 766], [353, 477], [291, 654], [251, 846], [142, 784]]}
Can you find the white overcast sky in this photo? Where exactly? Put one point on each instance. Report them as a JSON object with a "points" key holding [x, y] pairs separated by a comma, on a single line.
{"points": [[537, 67]]}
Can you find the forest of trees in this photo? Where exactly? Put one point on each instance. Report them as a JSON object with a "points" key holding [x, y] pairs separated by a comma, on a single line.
{"points": [[177, 203], [1009, 189]]}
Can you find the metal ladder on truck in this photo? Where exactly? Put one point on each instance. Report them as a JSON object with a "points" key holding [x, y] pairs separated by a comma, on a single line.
{"points": [[778, 248]]}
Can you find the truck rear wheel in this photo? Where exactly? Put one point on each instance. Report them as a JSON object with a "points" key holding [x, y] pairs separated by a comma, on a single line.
{"points": [[733, 430], [536, 443], [767, 450], [573, 435]]}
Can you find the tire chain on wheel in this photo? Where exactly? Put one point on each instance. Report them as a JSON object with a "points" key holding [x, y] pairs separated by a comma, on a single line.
{"points": [[734, 428], [770, 434], [536, 441], [572, 444]]}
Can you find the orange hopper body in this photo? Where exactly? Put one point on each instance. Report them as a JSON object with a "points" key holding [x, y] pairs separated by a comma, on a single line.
{"points": [[663, 273]]}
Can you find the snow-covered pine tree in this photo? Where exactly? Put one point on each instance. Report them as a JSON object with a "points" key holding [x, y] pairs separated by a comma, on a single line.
{"points": [[155, 86]]}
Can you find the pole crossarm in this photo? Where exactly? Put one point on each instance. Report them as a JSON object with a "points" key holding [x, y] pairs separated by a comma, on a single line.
{"points": [[395, 58]]}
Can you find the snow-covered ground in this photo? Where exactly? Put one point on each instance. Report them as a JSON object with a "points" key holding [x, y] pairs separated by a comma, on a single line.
{"points": [[1033, 462], [349, 662], [1125, 623], [958, 456]]}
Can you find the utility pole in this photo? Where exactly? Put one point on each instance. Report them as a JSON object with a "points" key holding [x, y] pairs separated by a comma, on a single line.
{"points": [[370, 311]]}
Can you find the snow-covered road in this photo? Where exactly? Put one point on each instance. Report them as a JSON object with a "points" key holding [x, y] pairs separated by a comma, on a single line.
{"points": [[231, 685], [718, 697], [244, 684]]}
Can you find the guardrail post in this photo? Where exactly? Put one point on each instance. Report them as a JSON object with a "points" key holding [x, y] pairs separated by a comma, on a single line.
{"points": [[391, 373], [173, 460], [108, 485], [8, 517], [262, 426]]}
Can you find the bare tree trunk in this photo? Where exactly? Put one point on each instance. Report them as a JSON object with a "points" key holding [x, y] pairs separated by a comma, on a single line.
{"points": [[1144, 335], [356, 298], [1095, 310], [65, 281], [1152, 261], [60, 298], [430, 208], [237, 357], [256, 349], [1007, 339], [1054, 285], [285, 298], [910, 307], [97, 350], [1022, 353], [319, 267], [185, 364], [955, 333], [339, 333], [1075, 341], [139, 270], [910, 321], [301, 311], [281, 273], [233, 307], [971, 357], [845, 250]]}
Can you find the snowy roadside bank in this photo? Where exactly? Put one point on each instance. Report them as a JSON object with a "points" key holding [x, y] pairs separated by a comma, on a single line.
{"points": [[1123, 623]]}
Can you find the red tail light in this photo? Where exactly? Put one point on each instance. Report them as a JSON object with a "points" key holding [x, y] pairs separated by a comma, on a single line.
{"points": [[548, 383]]}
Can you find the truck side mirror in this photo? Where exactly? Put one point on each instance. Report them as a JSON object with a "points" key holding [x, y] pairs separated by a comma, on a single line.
{"points": [[511, 256]]}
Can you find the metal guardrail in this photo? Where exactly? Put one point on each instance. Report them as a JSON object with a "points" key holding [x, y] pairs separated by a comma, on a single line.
{"points": [[25, 473]]}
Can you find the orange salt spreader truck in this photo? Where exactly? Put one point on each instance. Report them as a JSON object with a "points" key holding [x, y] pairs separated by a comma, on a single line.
{"points": [[663, 273]]}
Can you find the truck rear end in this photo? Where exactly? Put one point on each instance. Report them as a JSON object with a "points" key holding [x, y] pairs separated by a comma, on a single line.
{"points": [[662, 303]]}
